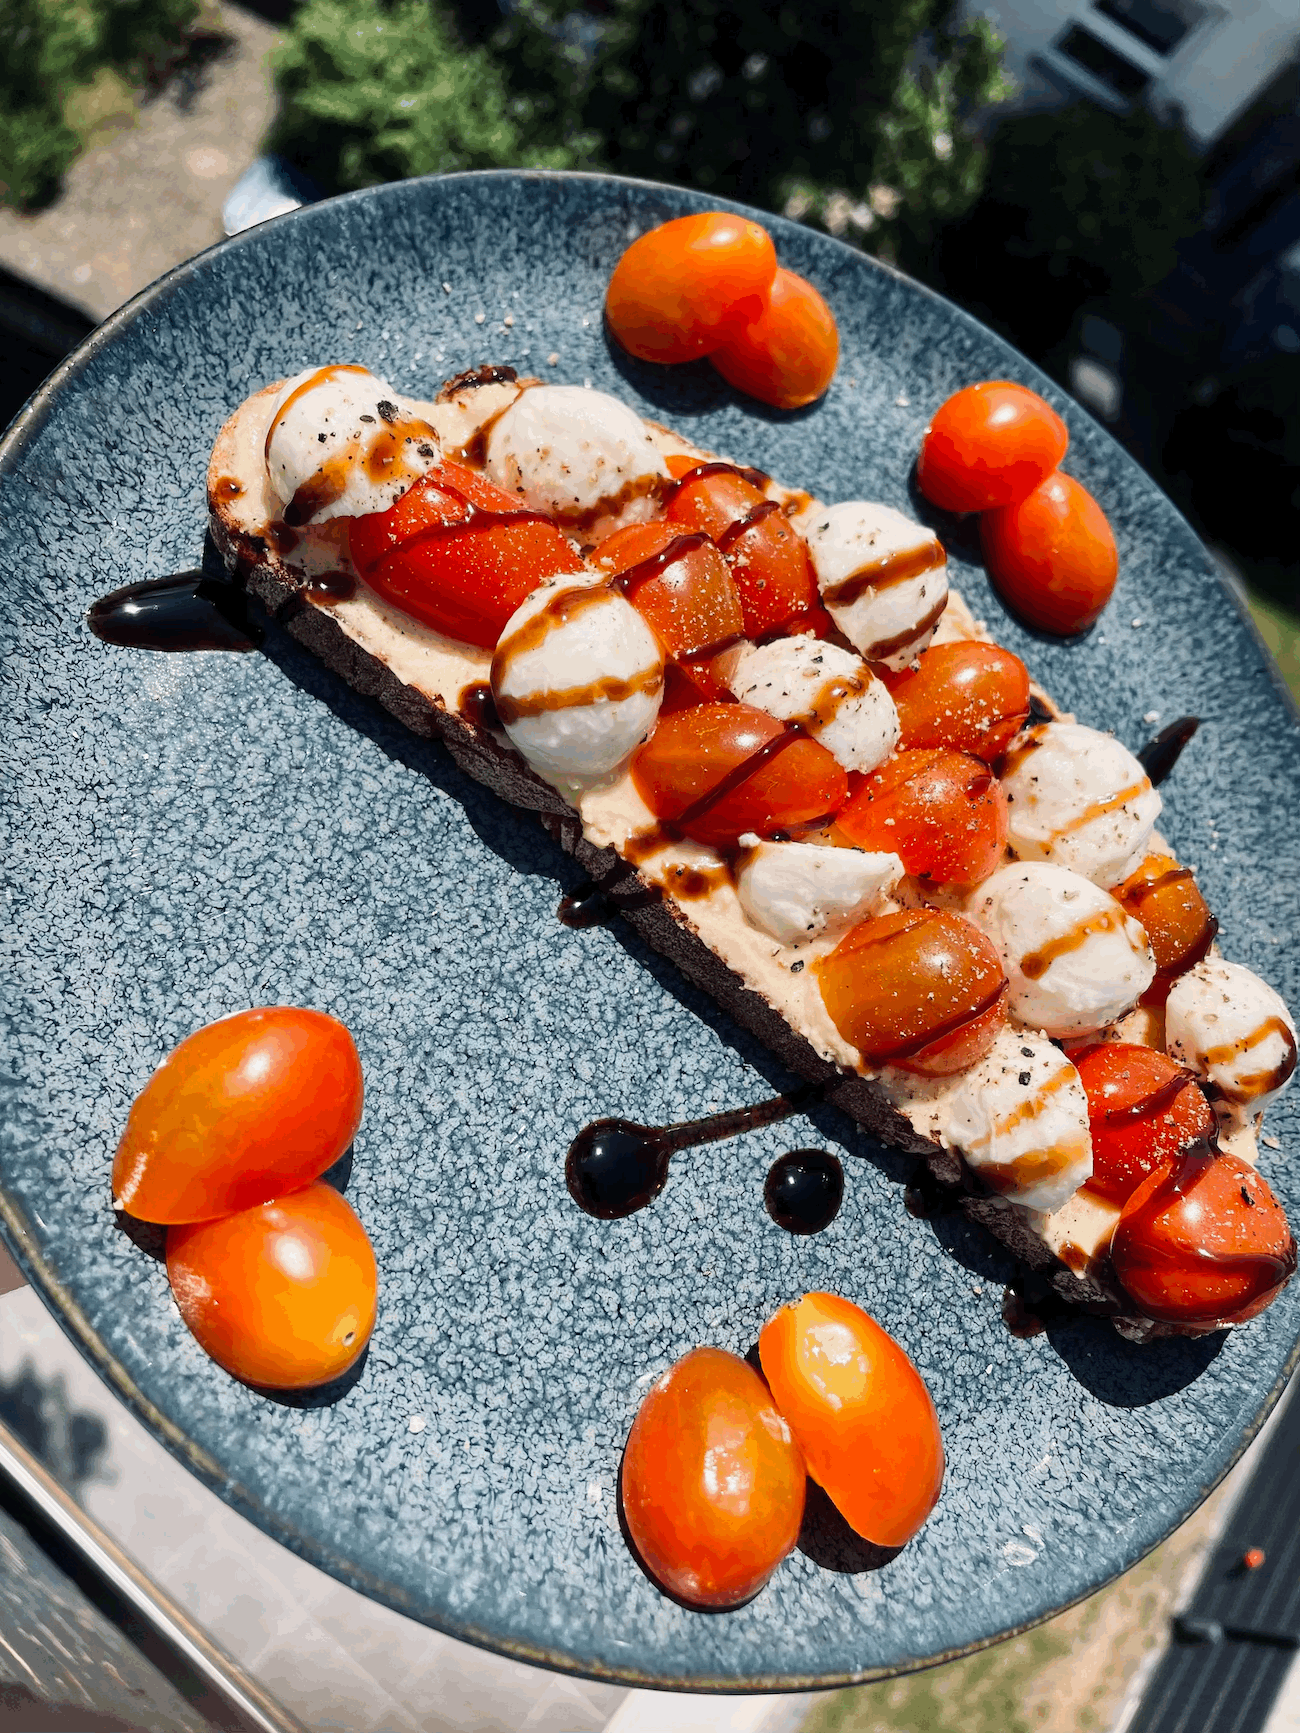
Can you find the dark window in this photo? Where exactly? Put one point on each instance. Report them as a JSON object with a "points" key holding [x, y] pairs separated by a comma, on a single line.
{"points": [[1088, 51], [1161, 24]]}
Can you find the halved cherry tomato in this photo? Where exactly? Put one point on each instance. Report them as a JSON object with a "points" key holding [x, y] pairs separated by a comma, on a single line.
{"points": [[989, 445], [860, 1413], [921, 989], [679, 583], [787, 355], [1203, 1241], [970, 696], [1051, 556], [458, 553], [1142, 1110], [713, 1482], [282, 1295], [943, 813], [1165, 898], [732, 749], [673, 290], [243, 1110]]}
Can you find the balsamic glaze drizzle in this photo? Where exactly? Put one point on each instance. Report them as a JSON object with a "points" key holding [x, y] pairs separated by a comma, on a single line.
{"points": [[804, 1190], [1159, 756], [185, 611]]}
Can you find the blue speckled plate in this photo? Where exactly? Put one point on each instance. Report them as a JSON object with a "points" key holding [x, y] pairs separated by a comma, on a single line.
{"points": [[190, 835]]}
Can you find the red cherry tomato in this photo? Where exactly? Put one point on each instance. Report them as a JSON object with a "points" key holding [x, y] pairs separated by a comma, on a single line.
{"points": [[713, 1483], [921, 989], [694, 752], [860, 1413], [1142, 1110], [243, 1110], [679, 583], [970, 696], [458, 553], [1165, 898], [989, 445], [1203, 1241], [942, 813], [674, 289], [787, 355], [282, 1295], [1051, 556]]}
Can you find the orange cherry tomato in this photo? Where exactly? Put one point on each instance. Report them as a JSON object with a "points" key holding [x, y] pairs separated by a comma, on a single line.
{"points": [[921, 989], [282, 1295], [970, 696], [860, 1413], [729, 748], [674, 289], [1142, 1110], [679, 583], [989, 445], [787, 356], [1051, 556], [943, 813], [243, 1110], [1165, 898], [713, 1483], [1203, 1241], [458, 553]]}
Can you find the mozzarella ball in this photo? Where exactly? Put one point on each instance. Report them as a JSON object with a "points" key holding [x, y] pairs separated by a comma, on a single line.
{"points": [[577, 679], [581, 456], [1074, 960], [1020, 1120], [883, 579], [830, 690], [1232, 1029], [798, 891], [1079, 799], [342, 443]]}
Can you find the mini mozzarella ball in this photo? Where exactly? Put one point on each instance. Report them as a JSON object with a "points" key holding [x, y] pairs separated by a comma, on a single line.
{"points": [[577, 680], [830, 690], [581, 456], [1074, 960], [883, 578], [1020, 1120], [798, 891], [1079, 799], [343, 443], [1232, 1029]]}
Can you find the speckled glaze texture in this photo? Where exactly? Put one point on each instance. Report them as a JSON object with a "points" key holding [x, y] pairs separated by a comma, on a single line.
{"points": [[191, 835]]}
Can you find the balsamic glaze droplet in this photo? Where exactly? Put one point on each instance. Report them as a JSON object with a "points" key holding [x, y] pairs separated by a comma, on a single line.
{"points": [[1159, 756], [615, 1167], [586, 906], [804, 1190], [187, 611]]}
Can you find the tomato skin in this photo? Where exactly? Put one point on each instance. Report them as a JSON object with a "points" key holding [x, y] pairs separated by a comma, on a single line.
{"points": [[1143, 1109], [244, 1109], [860, 1413], [972, 697], [691, 752], [989, 445], [1052, 556], [713, 1482], [1203, 1241], [921, 989], [943, 813], [282, 1295], [1164, 896], [787, 356], [674, 288], [768, 559], [692, 604], [466, 583]]}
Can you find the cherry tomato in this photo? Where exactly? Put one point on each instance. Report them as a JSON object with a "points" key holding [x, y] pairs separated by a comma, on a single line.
{"points": [[942, 813], [713, 1483], [970, 696], [989, 445], [787, 355], [674, 289], [1203, 1241], [243, 1110], [444, 554], [1051, 556], [682, 587], [860, 1413], [696, 751], [921, 989], [282, 1295], [1165, 898], [1142, 1110]]}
